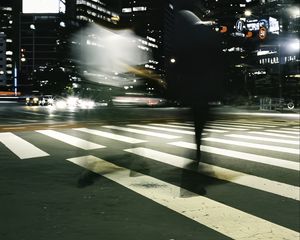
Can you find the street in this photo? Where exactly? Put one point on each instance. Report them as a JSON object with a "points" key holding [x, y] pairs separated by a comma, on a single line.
{"points": [[129, 173]]}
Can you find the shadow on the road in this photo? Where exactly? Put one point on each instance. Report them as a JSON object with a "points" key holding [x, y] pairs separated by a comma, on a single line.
{"points": [[87, 178]]}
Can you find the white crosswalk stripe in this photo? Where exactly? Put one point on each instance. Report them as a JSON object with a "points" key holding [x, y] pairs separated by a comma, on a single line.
{"points": [[138, 131], [227, 220], [163, 129], [172, 126], [289, 129], [236, 126], [242, 156], [110, 135], [274, 134], [181, 123], [222, 218], [226, 128], [20, 147], [247, 124], [219, 173], [276, 140], [280, 131], [74, 141], [254, 145], [218, 126]]}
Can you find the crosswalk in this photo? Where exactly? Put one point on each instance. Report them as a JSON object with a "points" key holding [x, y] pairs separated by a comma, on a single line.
{"points": [[231, 150]]}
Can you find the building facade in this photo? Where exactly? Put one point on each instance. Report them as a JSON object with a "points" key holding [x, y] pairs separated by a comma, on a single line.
{"points": [[6, 43]]}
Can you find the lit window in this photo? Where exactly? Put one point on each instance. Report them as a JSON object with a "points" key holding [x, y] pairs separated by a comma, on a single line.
{"points": [[126, 10], [138, 9]]}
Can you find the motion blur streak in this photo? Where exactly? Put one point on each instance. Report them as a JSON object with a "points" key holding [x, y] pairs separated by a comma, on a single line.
{"points": [[105, 54]]}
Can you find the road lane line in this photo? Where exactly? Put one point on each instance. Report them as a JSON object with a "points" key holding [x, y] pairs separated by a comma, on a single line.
{"points": [[253, 145], [163, 129], [242, 156], [138, 131], [275, 135], [20, 147], [111, 135], [243, 179], [276, 140], [215, 215], [74, 141]]}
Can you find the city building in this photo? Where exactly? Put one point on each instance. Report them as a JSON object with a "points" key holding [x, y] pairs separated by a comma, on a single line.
{"points": [[261, 42], [6, 43]]}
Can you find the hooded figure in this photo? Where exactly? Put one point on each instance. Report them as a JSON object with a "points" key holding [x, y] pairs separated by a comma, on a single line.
{"points": [[198, 67]]}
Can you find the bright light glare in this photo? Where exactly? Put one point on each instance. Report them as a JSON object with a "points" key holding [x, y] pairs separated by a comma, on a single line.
{"points": [[61, 104], [294, 12], [72, 101], [75, 102], [248, 13], [294, 45], [43, 6]]}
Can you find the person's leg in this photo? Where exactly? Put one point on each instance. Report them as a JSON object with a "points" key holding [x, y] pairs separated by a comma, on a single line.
{"points": [[200, 118]]}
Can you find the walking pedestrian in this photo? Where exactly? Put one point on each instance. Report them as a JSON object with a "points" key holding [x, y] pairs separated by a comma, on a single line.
{"points": [[198, 68]]}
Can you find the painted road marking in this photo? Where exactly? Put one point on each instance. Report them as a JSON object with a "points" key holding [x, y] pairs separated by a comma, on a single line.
{"points": [[183, 124], [243, 156], [251, 181], [74, 141], [171, 126], [248, 125], [226, 128], [111, 135], [232, 125], [163, 129], [253, 145], [289, 129], [276, 140], [20, 147], [275, 135], [138, 131], [217, 216], [279, 131]]}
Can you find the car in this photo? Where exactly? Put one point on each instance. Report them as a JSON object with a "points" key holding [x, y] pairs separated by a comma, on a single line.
{"points": [[46, 100], [32, 101]]}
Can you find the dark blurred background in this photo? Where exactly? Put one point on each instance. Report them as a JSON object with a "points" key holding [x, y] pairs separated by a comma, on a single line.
{"points": [[260, 40]]}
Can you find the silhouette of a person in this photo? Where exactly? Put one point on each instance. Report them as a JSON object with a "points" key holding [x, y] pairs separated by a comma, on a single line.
{"points": [[198, 68]]}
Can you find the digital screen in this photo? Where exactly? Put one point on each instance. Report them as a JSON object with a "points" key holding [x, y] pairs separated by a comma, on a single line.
{"points": [[43, 6]]}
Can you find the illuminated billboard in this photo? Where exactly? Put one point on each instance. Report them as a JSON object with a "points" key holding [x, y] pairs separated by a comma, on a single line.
{"points": [[43, 6]]}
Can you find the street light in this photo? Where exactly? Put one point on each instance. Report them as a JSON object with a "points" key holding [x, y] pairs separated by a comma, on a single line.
{"points": [[247, 13]]}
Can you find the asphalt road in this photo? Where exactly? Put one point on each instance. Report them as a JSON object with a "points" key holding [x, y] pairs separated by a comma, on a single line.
{"points": [[128, 173]]}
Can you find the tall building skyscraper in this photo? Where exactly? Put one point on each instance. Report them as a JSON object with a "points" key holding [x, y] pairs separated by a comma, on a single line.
{"points": [[6, 42]]}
